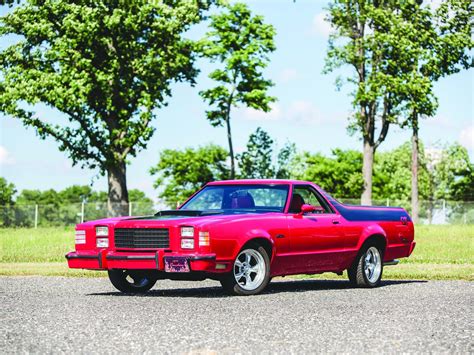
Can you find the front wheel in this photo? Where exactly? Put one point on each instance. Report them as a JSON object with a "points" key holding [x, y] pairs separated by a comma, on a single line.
{"points": [[250, 273], [367, 268], [131, 281]]}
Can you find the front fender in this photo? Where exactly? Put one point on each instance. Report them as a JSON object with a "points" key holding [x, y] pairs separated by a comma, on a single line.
{"points": [[255, 234]]}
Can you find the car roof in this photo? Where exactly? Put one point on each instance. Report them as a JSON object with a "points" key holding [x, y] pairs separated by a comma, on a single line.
{"points": [[258, 182]]}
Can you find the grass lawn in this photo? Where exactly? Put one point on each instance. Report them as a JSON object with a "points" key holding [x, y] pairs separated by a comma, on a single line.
{"points": [[442, 252]]}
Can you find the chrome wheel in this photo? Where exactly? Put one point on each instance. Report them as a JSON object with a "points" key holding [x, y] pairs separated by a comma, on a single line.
{"points": [[372, 264], [249, 269]]}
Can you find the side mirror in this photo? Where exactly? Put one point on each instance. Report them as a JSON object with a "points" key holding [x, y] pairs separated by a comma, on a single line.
{"points": [[310, 208]]}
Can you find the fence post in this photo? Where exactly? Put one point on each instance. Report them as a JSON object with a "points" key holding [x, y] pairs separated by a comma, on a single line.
{"points": [[444, 211], [129, 208], [82, 212], [388, 202], [36, 216]]}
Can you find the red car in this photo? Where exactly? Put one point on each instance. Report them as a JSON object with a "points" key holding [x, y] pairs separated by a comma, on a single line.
{"points": [[243, 233]]}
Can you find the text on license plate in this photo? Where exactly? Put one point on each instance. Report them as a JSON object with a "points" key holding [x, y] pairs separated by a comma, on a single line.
{"points": [[176, 264]]}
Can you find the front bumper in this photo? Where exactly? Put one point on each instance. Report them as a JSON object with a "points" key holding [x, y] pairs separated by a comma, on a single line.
{"points": [[105, 260]]}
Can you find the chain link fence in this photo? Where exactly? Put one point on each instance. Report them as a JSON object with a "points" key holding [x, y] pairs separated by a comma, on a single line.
{"points": [[431, 212], [22, 215]]}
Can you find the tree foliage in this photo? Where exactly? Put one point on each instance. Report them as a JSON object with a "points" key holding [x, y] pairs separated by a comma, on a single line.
{"points": [[106, 66], [181, 172], [7, 192], [339, 173], [258, 161], [435, 43], [381, 41], [453, 174], [448, 175], [241, 42], [393, 174]]}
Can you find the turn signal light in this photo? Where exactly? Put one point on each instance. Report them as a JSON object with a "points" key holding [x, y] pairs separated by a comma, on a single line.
{"points": [[80, 237], [204, 240]]}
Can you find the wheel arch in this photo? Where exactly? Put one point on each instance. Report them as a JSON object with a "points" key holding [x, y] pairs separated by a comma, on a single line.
{"points": [[377, 239], [265, 242]]}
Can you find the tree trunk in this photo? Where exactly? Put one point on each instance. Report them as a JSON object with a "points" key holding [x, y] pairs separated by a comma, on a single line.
{"points": [[414, 169], [367, 168], [117, 204], [231, 148]]}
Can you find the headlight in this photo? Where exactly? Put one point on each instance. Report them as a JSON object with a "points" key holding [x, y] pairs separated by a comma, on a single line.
{"points": [[187, 243], [204, 239], [187, 231], [102, 231], [102, 242]]}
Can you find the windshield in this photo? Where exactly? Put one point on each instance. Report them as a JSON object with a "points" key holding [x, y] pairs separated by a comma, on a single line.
{"points": [[239, 198]]}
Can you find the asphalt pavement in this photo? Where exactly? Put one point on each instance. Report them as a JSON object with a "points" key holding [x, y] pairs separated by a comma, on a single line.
{"points": [[63, 315]]}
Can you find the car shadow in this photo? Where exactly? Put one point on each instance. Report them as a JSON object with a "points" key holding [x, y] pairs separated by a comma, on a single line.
{"points": [[278, 286]]}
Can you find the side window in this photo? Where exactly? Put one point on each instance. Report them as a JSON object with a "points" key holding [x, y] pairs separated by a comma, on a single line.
{"points": [[306, 195]]}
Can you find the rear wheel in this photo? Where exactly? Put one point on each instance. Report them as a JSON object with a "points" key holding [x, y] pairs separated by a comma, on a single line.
{"points": [[367, 268], [250, 273], [131, 281]]}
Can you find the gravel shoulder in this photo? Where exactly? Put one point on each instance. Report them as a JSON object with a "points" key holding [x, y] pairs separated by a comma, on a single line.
{"points": [[55, 315]]}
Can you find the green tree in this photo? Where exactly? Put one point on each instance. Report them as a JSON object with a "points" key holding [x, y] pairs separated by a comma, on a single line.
{"points": [[259, 160], [7, 191], [75, 194], [106, 66], [453, 174], [285, 160], [141, 203], [181, 172], [437, 44], [366, 39], [241, 42], [393, 173], [256, 161], [339, 174]]}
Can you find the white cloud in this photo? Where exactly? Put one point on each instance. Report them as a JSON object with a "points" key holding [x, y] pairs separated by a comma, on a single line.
{"points": [[302, 111], [466, 138], [299, 112], [252, 114], [5, 156], [288, 74], [320, 26]]}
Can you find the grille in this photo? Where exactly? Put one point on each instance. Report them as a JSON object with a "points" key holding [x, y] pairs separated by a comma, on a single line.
{"points": [[155, 238]]}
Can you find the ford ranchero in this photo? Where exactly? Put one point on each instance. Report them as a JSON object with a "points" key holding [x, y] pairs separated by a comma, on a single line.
{"points": [[243, 233]]}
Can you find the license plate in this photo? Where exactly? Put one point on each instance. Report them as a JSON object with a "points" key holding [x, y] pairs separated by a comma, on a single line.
{"points": [[176, 264]]}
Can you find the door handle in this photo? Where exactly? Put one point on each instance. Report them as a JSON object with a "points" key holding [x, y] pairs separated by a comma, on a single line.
{"points": [[335, 221], [280, 236]]}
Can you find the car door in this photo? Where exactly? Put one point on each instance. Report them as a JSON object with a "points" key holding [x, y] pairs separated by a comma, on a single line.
{"points": [[316, 239]]}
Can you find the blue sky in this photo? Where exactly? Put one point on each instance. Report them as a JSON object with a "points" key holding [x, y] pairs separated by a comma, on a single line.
{"points": [[309, 111]]}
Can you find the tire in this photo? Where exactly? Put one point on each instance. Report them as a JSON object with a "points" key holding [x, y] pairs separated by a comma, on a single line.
{"points": [[250, 273], [367, 269], [131, 281]]}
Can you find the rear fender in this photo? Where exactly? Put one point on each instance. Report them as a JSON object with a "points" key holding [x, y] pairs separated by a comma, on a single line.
{"points": [[369, 232]]}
